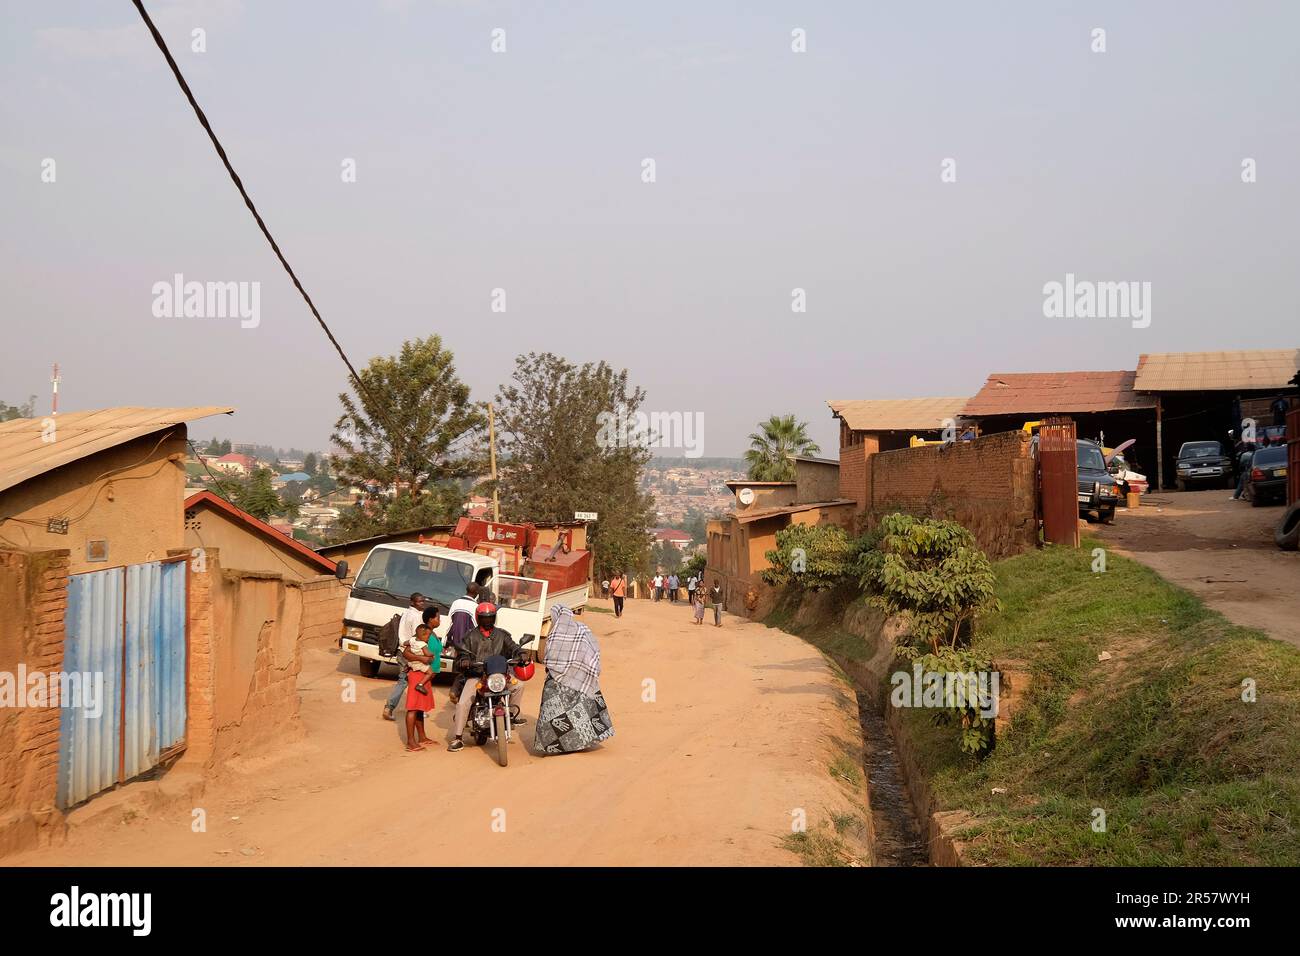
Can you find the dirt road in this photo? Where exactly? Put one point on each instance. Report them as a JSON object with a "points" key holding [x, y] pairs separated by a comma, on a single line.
{"points": [[1220, 550], [741, 728]]}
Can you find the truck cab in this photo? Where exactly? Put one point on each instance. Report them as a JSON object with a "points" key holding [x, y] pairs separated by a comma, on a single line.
{"points": [[393, 572]]}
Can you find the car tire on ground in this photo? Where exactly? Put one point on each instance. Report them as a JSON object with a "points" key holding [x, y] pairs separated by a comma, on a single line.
{"points": [[368, 667], [1108, 516], [1287, 535], [1182, 485]]}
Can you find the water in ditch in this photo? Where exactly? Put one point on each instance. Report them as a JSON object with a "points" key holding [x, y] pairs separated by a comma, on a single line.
{"points": [[899, 837]]}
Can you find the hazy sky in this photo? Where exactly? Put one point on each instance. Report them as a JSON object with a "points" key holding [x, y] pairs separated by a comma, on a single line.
{"points": [[522, 171]]}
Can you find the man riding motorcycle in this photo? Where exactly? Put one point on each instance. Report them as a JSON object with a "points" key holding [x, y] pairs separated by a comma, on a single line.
{"points": [[486, 640]]}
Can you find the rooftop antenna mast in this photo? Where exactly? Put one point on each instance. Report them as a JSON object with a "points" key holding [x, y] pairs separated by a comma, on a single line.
{"points": [[54, 397]]}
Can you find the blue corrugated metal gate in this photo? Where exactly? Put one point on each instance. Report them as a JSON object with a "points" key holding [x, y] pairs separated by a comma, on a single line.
{"points": [[127, 624]]}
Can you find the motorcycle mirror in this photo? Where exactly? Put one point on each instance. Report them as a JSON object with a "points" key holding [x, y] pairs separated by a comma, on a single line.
{"points": [[528, 639]]}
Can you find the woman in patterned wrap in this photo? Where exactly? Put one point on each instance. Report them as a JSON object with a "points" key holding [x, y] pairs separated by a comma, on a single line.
{"points": [[573, 715]]}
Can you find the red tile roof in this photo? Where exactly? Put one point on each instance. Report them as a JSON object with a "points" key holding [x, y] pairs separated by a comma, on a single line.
{"points": [[1033, 393], [262, 529]]}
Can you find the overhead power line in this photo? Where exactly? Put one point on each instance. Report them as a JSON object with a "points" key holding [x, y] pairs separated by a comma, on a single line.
{"points": [[234, 176]]}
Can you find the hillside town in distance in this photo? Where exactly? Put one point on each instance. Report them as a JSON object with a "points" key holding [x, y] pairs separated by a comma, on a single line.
{"points": [[299, 494]]}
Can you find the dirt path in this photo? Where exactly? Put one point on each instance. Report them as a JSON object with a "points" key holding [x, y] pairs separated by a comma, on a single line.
{"points": [[744, 724], [1220, 550]]}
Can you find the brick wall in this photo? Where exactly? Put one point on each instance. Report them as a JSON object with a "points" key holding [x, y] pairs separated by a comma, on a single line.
{"points": [[246, 631], [987, 485], [853, 474], [33, 599], [323, 600]]}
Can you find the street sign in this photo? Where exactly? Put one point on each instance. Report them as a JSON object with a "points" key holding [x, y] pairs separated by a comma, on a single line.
{"points": [[584, 516]]}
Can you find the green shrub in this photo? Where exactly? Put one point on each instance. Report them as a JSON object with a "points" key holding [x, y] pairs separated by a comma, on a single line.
{"points": [[932, 573], [813, 557]]}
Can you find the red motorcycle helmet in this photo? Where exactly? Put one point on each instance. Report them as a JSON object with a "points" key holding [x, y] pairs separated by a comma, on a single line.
{"points": [[485, 616], [524, 671]]}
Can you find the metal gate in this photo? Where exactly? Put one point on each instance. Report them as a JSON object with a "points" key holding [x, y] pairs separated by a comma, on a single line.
{"points": [[1058, 482], [126, 628]]}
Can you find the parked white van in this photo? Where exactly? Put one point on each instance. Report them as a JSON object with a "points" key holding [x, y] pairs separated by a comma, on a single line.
{"points": [[393, 572]]}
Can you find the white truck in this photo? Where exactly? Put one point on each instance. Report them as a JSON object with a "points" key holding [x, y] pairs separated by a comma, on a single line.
{"points": [[391, 573]]}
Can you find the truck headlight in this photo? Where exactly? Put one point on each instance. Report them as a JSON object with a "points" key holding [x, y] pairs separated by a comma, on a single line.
{"points": [[353, 632], [496, 683]]}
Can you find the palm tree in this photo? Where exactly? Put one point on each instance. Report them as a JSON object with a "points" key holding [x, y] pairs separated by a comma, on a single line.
{"points": [[773, 449]]}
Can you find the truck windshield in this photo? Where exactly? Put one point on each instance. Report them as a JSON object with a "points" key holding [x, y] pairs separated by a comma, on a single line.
{"points": [[403, 573]]}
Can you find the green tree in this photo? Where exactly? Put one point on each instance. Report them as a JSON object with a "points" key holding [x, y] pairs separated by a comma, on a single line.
{"points": [[558, 457], [774, 447], [257, 497], [407, 438], [309, 463]]}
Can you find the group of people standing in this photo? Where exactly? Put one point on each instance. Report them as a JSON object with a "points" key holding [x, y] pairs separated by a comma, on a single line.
{"points": [[573, 714]]}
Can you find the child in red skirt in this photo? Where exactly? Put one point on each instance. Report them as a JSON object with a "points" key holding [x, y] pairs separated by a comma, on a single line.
{"points": [[427, 650]]}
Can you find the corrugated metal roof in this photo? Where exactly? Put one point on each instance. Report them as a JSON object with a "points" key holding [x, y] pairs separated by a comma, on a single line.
{"points": [[1196, 371], [24, 454], [1031, 393], [897, 414]]}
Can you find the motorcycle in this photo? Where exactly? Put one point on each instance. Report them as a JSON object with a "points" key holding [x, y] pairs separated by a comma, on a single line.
{"points": [[491, 718]]}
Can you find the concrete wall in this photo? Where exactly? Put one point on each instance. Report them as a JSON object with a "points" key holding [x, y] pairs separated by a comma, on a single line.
{"points": [[769, 496], [206, 527], [816, 481], [33, 598], [987, 485], [138, 509]]}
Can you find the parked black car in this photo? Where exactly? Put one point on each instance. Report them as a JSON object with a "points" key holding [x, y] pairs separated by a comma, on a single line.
{"points": [[1267, 479], [1098, 491], [1203, 463]]}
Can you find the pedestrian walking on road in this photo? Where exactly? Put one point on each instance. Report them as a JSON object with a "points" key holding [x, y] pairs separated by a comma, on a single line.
{"points": [[618, 591], [697, 602], [573, 715], [658, 585], [715, 593], [674, 582]]}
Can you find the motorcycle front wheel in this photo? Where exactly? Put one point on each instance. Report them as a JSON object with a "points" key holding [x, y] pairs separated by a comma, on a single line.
{"points": [[499, 726]]}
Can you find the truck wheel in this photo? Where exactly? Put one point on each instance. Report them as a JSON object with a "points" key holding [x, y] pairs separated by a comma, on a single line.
{"points": [[1108, 516], [1182, 485], [499, 725], [1287, 535], [368, 667]]}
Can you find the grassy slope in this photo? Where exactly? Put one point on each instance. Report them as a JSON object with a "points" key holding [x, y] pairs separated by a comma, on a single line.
{"points": [[1158, 736]]}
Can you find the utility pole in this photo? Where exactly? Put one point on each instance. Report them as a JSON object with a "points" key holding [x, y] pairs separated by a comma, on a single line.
{"points": [[54, 380], [492, 456]]}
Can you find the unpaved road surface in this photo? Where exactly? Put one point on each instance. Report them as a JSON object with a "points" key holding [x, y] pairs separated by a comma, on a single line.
{"points": [[1220, 550], [744, 723]]}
